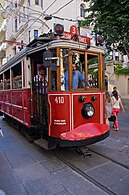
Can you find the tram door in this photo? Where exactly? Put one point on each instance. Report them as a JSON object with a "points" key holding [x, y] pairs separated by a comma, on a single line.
{"points": [[40, 101]]}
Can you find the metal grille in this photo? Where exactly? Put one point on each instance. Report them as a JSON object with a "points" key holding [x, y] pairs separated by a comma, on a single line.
{"points": [[40, 113]]}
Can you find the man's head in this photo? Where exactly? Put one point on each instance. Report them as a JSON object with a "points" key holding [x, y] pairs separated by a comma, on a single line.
{"points": [[41, 72], [74, 67], [114, 89]]}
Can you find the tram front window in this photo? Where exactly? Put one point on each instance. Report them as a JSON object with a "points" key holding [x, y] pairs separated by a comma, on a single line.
{"points": [[64, 70], [76, 72], [93, 70]]}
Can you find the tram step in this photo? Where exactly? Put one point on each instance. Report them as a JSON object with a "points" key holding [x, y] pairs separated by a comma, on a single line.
{"points": [[42, 142]]}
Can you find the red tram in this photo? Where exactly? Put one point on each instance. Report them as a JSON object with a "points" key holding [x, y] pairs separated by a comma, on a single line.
{"points": [[59, 116]]}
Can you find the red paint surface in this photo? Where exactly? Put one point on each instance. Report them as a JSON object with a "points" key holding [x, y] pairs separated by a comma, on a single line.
{"points": [[66, 116], [85, 131], [59, 114], [16, 104]]}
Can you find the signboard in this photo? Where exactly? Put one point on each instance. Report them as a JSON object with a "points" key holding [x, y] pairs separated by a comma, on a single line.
{"points": [[72, 33]]}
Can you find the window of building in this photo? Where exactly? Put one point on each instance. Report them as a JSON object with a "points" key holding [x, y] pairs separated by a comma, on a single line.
{"points": [[36, 2], [28, 2], [19, 17], [15, 25], [24, 12], [14, 49], [82, 10], [35, 33], [42, 4]]}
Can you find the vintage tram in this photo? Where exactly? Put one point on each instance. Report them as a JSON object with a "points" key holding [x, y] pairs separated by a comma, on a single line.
{"points": [[59, 116]]}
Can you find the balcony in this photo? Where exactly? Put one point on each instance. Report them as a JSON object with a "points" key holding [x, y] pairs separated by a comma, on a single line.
{"points": [[3, 31], [2, 50]]}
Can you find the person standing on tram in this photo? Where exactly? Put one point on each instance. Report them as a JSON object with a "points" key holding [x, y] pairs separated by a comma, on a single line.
{"points": [[40, 81], [76, 77], [40, 85]]}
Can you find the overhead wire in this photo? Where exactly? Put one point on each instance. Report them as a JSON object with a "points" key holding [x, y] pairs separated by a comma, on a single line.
{"points": [[62, 7], [57, 17], [38, 18], [42, 13]]}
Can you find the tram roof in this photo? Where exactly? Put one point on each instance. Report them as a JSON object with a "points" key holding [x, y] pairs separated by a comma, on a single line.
{"points": [[14, 60], [63, 43], [34, 48]]}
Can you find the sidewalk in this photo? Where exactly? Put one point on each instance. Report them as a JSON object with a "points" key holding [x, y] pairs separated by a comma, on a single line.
{"points": [[116, 146]]}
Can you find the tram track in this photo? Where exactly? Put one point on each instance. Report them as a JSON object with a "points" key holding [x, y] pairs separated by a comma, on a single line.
{"points": [[109, 158], [84, 175]]}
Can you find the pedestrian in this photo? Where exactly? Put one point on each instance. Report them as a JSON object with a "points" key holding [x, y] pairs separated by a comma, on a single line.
{"points": [[117, 104], [115, 89], [108, 107]]}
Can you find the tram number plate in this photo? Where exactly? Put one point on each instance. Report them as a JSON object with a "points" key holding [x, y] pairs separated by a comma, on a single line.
{"points": [[59, 100]]}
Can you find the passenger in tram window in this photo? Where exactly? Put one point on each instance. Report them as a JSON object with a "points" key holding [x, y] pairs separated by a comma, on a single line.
{"points": [[40, 81], [77, 76], [78, 79]]}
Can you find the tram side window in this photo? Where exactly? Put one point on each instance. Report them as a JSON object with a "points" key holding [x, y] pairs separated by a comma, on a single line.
{"points": [[53, 76], [93, 70], [64, 70], [17, 76], [7, 79], [1, 82]]}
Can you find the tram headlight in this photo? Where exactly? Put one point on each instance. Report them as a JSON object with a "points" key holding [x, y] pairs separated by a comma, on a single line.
{"points": [[87, 110]]}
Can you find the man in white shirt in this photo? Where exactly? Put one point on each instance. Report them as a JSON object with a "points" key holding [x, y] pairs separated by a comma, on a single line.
{"points": [[40, 81]]}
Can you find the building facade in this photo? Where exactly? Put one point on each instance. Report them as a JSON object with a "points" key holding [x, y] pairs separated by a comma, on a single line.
{"points": [[27, 19], [3, 28]]}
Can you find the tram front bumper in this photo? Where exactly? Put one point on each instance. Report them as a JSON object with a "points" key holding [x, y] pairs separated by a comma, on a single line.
{"points": [[84, 135]]}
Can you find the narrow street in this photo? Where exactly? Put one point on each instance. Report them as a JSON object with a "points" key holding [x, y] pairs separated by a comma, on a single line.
{"points": [[26, 168]]}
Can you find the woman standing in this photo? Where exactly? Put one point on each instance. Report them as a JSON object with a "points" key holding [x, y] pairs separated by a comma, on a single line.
{"points": [[116, 103], [108, 107]]}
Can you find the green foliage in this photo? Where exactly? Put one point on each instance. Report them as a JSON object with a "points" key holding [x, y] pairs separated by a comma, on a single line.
{"points": [[111, 19], [93, 61], [120, 70]]}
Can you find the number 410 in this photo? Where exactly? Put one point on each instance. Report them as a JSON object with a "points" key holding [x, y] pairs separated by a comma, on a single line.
{"points": [[59, 100]]}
